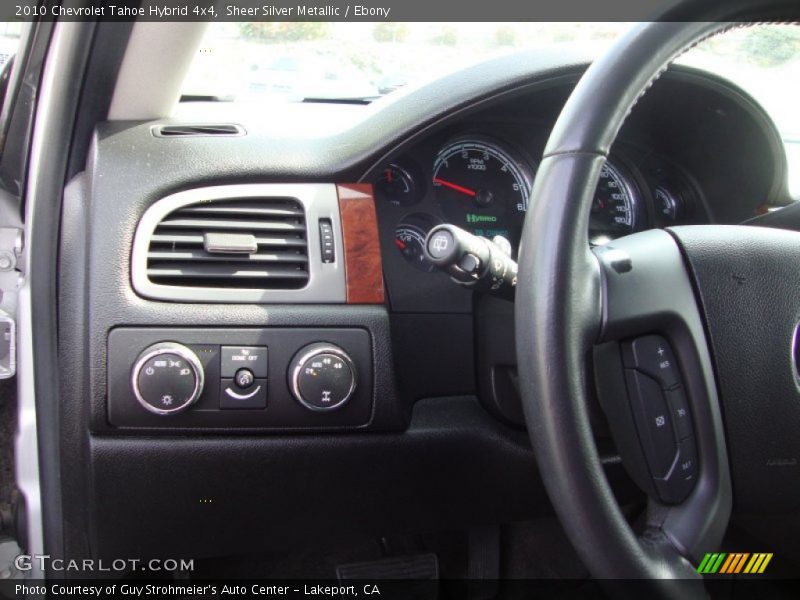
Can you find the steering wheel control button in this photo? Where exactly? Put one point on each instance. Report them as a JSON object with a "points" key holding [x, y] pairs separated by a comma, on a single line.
{"points": [[653, 421], [679, 408], [322, 377], [244, 378], [233, 396], [167, 378], [652, 355], [252, 358], [680, 481]]}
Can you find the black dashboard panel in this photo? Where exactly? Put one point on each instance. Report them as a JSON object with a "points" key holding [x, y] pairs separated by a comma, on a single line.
{"points": [[694, 151], [419, 456], [267, 401]]}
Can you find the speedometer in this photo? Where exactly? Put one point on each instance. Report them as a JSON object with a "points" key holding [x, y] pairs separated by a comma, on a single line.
{"points": [[614, 207], [482, 187]]}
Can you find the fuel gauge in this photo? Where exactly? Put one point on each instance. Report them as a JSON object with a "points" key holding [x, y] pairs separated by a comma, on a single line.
{"points": [[410, 241], [668, 204]]}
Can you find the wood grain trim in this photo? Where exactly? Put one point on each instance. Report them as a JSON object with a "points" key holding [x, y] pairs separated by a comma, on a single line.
{"points": [[362, 251]]}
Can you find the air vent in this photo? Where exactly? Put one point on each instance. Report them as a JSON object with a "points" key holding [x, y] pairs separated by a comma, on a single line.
{"points": [[222, 129], [253, 243]]}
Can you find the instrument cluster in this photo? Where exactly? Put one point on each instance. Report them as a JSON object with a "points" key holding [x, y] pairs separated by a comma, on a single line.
{"points": [[482, 181]]}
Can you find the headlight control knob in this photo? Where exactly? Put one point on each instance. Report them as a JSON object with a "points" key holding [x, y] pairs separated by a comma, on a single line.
{"points": [[322, 377], [167, 378]]}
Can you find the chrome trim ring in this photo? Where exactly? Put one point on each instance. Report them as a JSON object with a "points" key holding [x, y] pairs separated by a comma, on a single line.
{"points": [[310, 353], [169, 348]]}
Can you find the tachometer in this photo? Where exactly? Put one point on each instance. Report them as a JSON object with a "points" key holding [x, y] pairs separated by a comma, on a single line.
{"points": [[614, 207], [482, 187]]}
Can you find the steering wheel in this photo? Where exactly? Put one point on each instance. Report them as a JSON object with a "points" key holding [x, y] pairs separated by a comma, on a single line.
{"points": [[724, 301]]}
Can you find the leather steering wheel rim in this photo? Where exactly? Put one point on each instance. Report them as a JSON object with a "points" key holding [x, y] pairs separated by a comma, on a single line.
{"points": [[560, 311]]}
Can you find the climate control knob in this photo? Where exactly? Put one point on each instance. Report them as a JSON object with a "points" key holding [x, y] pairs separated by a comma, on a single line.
{"points": [[167, 378], [322, 377]]}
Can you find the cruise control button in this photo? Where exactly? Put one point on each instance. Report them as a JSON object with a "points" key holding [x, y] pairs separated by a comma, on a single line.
{"points": [[681, 417], [681, 479], [253, 358], [652, 355], [652, 421]]}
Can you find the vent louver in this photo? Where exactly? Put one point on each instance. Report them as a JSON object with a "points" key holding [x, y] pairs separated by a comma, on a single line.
{"points": [[245, 243], [223, 129]]}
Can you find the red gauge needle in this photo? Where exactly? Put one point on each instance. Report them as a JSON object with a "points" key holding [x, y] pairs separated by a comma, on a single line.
{"points": [[455, 187], [400, 244]]}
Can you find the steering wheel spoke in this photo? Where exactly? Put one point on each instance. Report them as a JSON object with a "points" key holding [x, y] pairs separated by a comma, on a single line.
{"points": [[655, 381], [566, 304]]}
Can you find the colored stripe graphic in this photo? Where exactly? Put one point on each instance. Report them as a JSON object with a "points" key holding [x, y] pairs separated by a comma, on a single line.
{"points": [[740, 565], [729, 562], [704, 563], [757, 558], [711, 562], [758, 563], [733, 563], [717, 563]]}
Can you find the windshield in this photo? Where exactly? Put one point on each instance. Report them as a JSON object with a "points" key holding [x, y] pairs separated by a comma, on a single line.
{"points": [[361, 61], [292, 62], [765, 61], [341, 61]]}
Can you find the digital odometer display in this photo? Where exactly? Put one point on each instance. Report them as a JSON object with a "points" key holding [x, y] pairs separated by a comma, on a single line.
{"points": [[482, 188]]}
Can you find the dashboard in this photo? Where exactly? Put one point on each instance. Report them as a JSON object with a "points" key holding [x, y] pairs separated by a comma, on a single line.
{"points": [[663, 171], [480, 177], [419, 408]]}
